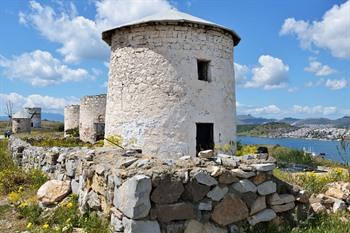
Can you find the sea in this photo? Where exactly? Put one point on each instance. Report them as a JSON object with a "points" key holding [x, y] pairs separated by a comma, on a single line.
{"points": [[312, 145]]}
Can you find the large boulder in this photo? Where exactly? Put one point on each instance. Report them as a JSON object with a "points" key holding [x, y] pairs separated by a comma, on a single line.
{"points": [[132, 226], [53, 191], [168, 191], [133, 197]]}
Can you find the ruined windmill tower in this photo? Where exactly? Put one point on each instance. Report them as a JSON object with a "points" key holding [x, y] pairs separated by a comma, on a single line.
{"points": [[36, 116], [171, 88], [21, 122]]}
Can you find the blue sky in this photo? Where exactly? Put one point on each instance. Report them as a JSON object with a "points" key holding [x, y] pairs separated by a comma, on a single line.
{"points": [[293, 59]]}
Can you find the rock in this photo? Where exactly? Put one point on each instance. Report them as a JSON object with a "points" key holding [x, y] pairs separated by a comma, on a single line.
{"points": [[171, 212], [53, 191], [75, 186], [204, 178], [230, 210], [70, 168], [116, 223], [263, 216], [215, 171], [228, 162], [206, 154], [194, 226], [318, 208], [125, 162], [339, 190], [258, 205], [195, 192], [205, 205], [217, 193], [186, 157], [264, 167], [242, 174], [211, 228], [100, 169], [168, 191], [132, 226], [259, 178], [132, 197], [93, 201], [233, 228], [227, 177], [176, 227], [283, 208], [339, 206], [244, 186], [303, 196], [267, 187], [279, 199]]}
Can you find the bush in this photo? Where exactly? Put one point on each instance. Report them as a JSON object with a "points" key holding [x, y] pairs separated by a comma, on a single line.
{"points": [[60, 127], [73, 132], [285, 155], [11, 179], [246, 149]]}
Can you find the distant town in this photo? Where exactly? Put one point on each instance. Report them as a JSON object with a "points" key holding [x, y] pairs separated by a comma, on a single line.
{"points": [[315, 128]]}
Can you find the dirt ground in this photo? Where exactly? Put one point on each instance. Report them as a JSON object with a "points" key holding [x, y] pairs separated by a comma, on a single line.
{"points": [[9, 219]]}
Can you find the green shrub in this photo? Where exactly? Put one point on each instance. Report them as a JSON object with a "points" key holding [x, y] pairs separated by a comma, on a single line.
{"points": [[30, 211], [73, 132], [285, 155], [36, 178], [11, 179]]}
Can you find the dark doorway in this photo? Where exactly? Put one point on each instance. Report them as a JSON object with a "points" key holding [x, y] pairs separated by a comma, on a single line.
{"points": [[205, 136]]}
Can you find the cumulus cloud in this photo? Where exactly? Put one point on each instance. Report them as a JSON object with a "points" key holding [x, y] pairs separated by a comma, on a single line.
{"points": [[332, 32], [319, 69], [271, 73], [40, 68], [47, 103], [323, 110], [80, 37], [336, 84]]}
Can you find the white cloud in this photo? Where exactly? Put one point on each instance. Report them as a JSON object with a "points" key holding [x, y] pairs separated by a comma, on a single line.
{"points": [[271, 74], [293, 89], [254, 110], [324, 110], [80, 37], [319, 69], [40, 68], [47, 103], [336, 84], [331, 33], [241, 72]]}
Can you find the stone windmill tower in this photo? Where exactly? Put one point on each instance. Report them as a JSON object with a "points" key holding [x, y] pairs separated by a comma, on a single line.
{"points": [[171, 88]]}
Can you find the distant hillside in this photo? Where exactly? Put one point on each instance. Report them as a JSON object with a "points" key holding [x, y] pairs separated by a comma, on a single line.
{"points": [[271, 129], [251, 120]]}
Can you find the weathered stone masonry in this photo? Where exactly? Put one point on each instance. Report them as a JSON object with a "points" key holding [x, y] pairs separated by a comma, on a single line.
{"points": [[145, 195], [71, 117], [154, 96], [92, 118]]}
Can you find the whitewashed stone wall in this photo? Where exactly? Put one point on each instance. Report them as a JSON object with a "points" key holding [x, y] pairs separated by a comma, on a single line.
{"points": [[71, 117], [36, 119], [154, 96], [92, 111], [21, 125]]}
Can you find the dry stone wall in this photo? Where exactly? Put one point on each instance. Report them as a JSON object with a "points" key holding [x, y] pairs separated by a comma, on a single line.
{"points": [[154, 96], [141, 194]]}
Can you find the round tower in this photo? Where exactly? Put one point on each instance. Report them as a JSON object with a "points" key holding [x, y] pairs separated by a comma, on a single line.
{"points": [[71, 119], [92, 118], [21, 122], [171, 88], [36, 116]]}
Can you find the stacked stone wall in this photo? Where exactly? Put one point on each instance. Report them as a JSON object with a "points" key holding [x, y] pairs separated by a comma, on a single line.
{"points": [[92, 115], [146, 195]]}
